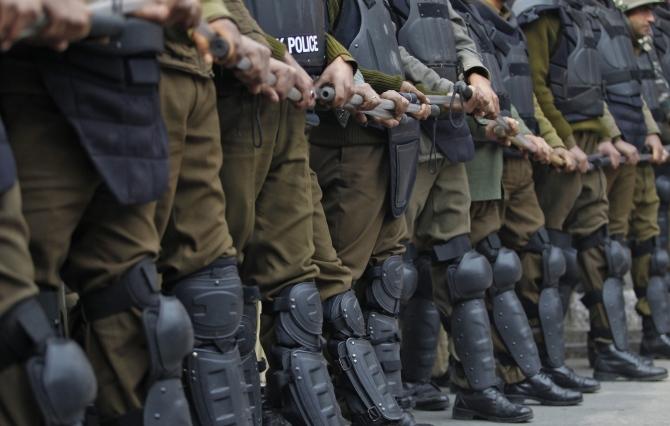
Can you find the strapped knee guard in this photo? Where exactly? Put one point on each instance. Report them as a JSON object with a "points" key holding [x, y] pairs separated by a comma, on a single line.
{"points": [[361, 376], [214, 380], [420, 325], [509, 317], [169, 336], [663, 191], [618, 264], [246, 344], [550, 309], [656, 293], [382, 305], [59, 373], [470, 326], [303, 383], [572, 275]]}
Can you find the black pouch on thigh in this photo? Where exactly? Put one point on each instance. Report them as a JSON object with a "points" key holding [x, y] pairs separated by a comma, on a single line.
{"points": [[403, 157]]}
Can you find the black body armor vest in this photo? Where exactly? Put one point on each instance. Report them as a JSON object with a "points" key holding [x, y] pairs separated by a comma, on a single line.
{"points": [[574, 70], [299, 24], [650, 89], [427, 34], [661, 36], [512, 55], [618, 64]]}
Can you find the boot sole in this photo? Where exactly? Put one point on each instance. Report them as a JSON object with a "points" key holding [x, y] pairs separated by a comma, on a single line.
{"points": [[520, 399], [465, 414], [605, 376]]}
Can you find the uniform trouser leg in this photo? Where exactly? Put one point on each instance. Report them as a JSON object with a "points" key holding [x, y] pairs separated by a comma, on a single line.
{"points": [[643, 228], [522, 217], [17, 406], [438, 211], [80, 233], [190, 216]]}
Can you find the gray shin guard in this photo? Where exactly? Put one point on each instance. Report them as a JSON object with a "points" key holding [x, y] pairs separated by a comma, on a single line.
{"points": [[509, 317], [572, 275], [657, 292], [550, 309], [470, 326], [420, 324], [361, 376], [663, 191], [214, 376], [169, 336], [59, 374], [303, 384], [618, 263], [246, 344], [382, 296]]}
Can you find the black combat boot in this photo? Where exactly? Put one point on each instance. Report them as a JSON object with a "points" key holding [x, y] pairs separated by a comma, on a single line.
{"points": [[542, 389], [654, 344], [426, 396], [489, 404], [567, 378], [611, 364]]}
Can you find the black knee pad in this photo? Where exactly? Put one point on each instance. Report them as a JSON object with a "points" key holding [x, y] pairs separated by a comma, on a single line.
{"points": [[60, 376], [300, 317], [469, 278], [168, 332], [384, 291]]}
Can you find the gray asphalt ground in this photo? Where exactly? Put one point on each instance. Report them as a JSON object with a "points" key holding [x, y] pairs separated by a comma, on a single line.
{"points": [[617, 403]]}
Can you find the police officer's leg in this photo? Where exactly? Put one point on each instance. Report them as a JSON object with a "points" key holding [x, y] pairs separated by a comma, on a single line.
{"points": [[205, 280], [602, 263], [542, 265], [46, 379], [650, 265]]}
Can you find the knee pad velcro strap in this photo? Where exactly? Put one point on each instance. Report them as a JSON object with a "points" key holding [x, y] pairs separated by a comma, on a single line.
{"points": [[385, 289], [618, 258], [213, 299], [300, 317], [343, 316], [470, 278]]}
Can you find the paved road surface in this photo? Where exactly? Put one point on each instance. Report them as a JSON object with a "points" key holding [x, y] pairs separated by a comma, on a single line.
{"points": [[618, 403]]}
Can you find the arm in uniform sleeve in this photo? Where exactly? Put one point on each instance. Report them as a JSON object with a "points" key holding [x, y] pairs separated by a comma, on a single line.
{"points": [[466, 49], [416, 71], [547, 131], [245, 23], [542, 36], [609, 128], [215, 9], [334, 50], [523, 129], [652, 126]]}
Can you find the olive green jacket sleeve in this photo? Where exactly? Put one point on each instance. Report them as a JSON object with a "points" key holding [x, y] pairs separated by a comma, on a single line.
{"points": [[542, 35], [245, 23], [334, 50], [610, 129], [215, 9], [547, 131], [417, 72], [466, 49], [652, 126]]}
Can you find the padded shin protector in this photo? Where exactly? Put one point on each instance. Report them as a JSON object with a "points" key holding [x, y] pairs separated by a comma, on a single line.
{"points": [[663, 191], [382, 297], [59, 374], [618, 263], [215, 382], [420, 324], [509, 317], [168, 332], [468, 281], [246, 344], [657, 293], [571, 277], [361, 375], [302, 383]]}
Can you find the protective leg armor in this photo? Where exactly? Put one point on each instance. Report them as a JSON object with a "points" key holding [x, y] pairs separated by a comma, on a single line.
{"points": [[360, 374], [246, 344], [657, 292], [169, 335], [470, 326], [410, 275], [303, 383], [618, 263], [60, 376], [550, 309], [509, 317], [214, 379], [382, 296], [570, 279], [663, 191], [420, 324]]}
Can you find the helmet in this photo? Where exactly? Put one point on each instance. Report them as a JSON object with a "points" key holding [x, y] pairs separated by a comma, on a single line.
{"points": [[627, 5]]}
